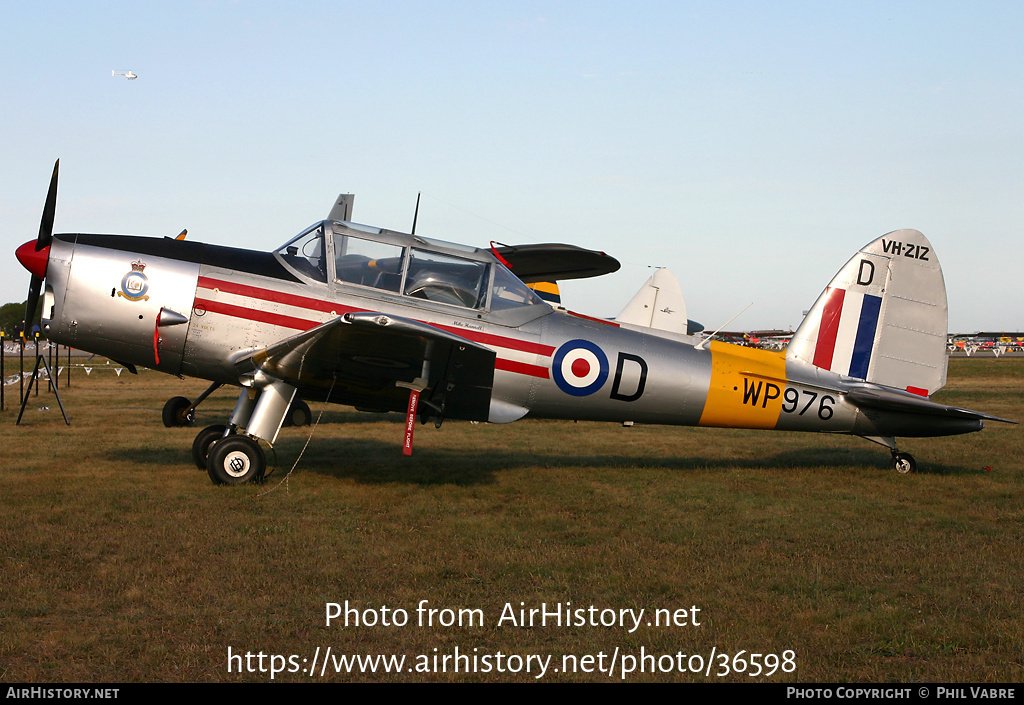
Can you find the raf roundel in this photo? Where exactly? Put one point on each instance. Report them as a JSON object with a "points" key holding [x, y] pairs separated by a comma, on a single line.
{"points": [[579, 368]]}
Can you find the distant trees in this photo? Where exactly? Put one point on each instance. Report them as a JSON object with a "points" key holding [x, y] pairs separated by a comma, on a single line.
{"points": [[11, 316]]}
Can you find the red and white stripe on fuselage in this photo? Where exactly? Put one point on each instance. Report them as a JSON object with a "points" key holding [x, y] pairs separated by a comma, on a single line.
{"points": [[299, 313]]}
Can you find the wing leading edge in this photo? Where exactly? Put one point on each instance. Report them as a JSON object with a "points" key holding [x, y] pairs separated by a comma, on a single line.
{"points": [[369, 360]]}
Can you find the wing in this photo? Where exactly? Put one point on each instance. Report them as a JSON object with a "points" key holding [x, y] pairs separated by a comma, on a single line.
{"points": [[370, 360], [555, 262]]}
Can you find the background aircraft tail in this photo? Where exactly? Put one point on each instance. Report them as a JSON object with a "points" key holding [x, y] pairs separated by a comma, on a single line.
{"points": [[659, 304], [548, 291], [882, 318]]}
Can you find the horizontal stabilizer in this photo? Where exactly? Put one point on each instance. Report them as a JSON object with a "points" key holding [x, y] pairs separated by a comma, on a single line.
{"points": [[895, 400]]}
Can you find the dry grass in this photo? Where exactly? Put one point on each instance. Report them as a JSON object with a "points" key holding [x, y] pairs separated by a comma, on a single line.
{"points": [[121, 562]]}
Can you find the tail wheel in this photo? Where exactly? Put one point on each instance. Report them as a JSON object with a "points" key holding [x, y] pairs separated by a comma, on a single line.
{"points": [[236, 460], [903, 463], [178, 411], [201, 445]]}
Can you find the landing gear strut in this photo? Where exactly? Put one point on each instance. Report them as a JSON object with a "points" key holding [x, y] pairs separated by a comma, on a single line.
{"points": [[179, 411], [903, 463]]}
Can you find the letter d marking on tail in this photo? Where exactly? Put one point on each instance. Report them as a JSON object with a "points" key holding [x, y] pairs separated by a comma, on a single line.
{"points": [[866, 273]]}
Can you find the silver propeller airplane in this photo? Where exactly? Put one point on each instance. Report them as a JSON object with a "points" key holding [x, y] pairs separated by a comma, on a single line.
{"points": [[386, 321]]}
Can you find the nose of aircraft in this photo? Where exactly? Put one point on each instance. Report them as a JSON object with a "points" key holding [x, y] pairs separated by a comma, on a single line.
{"points": [[33, 261]]}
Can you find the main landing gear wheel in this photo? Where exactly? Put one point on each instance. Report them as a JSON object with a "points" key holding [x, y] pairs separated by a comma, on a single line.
{"points": [[903, 463], [236, 460], [178, 412], [298, 414], [201, 445]]}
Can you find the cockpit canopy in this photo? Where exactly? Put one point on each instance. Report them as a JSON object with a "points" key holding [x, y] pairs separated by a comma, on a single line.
{"points": [[368, 258]]}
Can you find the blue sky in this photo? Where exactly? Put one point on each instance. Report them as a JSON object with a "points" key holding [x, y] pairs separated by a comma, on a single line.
{"points": [[751, 147]]}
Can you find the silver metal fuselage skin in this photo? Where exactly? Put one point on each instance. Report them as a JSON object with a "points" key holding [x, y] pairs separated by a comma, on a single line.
{"points": [[191, 309]]}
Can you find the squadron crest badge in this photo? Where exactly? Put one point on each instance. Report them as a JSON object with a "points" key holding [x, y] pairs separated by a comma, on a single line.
{"points": [[134, 284]]}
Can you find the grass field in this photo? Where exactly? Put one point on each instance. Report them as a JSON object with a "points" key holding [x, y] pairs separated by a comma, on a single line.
{"points": [[122, 562]]}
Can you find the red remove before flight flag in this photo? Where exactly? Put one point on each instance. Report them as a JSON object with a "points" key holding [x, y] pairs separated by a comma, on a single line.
{"points": [[410, 421]]}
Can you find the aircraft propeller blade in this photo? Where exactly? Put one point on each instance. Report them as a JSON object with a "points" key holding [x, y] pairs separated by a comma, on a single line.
{"points": [[43, 241], [46, 222], [33, 300]]}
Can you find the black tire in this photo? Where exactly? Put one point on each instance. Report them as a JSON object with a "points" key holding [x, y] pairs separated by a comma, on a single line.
{"points": [[299, 414], [236, 460], [201, 445], [176, 412], [903, 463]]}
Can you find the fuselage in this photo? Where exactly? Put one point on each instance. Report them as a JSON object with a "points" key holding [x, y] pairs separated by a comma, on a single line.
{"points": [[188, 308]]}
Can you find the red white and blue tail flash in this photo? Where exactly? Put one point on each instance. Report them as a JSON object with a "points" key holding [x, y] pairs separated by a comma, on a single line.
{"points": [[847, 334]]}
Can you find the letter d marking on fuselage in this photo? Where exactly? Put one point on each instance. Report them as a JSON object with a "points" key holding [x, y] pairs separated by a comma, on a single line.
{"points": [[641, 382]]}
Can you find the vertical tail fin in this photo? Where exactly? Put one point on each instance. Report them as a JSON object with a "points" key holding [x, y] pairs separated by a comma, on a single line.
{"points": [[882, 318]]}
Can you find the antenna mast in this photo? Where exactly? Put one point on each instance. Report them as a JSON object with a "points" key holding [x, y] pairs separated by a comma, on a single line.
{"points": [[416, 213]]}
